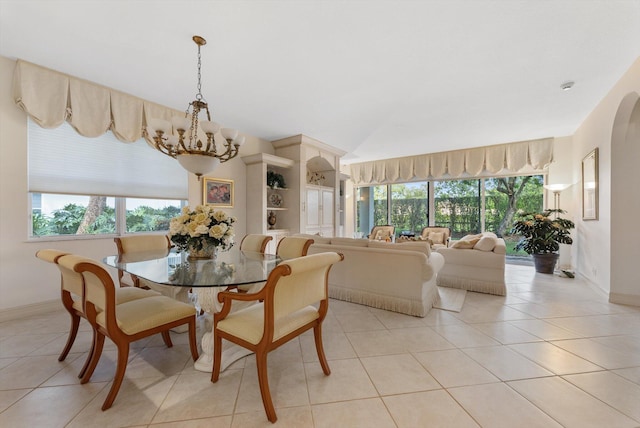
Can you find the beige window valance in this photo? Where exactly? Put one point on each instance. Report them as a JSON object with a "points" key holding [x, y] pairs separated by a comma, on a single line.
{"points": [[51, 98], [526, 157]]}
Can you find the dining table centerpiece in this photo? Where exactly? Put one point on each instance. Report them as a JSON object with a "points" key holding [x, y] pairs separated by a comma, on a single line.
{"points": [[202, 231]]}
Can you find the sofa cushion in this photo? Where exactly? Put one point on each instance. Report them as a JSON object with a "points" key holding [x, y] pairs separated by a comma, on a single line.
{"points": [[350, 242], [422, 247], [465, 244], [486, 243]]}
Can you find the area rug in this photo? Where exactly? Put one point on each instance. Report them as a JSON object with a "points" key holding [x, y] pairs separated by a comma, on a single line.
{"points": [[450, 299]]}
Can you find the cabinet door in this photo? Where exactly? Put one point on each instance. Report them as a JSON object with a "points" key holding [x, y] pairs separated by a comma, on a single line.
{"points": [[327, 208], [313, 207]]}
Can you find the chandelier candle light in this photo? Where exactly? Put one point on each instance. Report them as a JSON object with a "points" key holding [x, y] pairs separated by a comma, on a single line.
{"points": [[187, 146]]}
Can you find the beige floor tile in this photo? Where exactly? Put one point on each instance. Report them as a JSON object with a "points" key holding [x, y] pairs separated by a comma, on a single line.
{"points": [[367, 413], [599, 325], [7, 398], [336, 347], [506, 333], [465, 336], [618, 392], [392, 320], [158, 361], [433, 409], [600, 354], [361, 321], [217, 422], [454, 368], [545, 330], [554, 359], [194, 396], [288, 417], [29, 372], [437, 317], [49, 407], [506, 364], [398, 374], [490, 313], [421, 339], [373, 343], [348, 381], [632, 374], [569, 405], [497, 405], [23, 345]]}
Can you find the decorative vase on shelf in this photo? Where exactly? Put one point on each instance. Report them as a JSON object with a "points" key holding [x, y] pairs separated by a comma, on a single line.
{"points": [[271, 220]]}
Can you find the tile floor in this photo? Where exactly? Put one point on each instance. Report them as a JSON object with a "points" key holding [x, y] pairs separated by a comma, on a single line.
{"points": [[553, 353]]}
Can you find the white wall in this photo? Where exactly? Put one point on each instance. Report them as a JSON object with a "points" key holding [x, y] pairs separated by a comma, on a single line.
{"points": [[594, 237], [27, 283]]}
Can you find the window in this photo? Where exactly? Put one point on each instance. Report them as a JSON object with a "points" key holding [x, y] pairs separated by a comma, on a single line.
{"points": [[409, 207], [457, 206], [96, 186]]}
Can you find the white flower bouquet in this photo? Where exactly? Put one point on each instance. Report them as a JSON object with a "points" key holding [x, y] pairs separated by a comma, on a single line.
{"points": [[202, 228]]}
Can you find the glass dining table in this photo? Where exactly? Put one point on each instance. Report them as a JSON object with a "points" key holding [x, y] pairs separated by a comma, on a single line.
{"points": [[205, 278]]}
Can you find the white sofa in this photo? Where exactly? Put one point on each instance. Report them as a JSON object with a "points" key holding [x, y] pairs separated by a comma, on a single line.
{"points": [[396, 277], [475, 263]]}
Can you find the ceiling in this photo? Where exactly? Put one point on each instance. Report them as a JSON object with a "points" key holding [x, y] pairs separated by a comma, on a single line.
{"points": [[378, 79]]}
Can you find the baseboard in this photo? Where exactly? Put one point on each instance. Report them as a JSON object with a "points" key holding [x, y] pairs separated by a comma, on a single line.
{"points": [[624, 299], [29, 310]]}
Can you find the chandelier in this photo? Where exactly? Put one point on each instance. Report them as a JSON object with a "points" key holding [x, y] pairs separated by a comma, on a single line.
{"points": [[182, 139]]}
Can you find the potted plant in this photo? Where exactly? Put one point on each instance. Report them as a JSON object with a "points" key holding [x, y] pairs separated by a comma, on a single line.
{"points": [[275, 180], [542, 235]]}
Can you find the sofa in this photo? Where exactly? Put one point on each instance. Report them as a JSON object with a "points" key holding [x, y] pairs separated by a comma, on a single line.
{"points": [[399, 277], [475, 263]]}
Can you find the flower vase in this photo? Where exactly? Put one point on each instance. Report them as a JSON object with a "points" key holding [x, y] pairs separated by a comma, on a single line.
{"points": [[206, 252]]}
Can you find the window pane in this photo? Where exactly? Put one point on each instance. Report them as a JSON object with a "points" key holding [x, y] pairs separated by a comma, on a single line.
{"points": [[148, 215], [504, 197], [457, 206], [409, 207], [54, 214]]}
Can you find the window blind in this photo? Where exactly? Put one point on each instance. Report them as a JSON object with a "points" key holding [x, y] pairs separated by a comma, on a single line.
{"points": [[63, 161]]}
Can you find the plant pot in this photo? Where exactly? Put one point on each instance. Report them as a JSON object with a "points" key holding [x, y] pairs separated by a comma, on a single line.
{"points": [[206, 252], [545, 263]]}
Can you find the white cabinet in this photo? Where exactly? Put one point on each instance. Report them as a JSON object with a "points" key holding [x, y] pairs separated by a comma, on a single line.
{"points": [[319, 210]]}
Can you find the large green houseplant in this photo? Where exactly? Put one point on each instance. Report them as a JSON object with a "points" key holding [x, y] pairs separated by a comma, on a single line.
{"points": [[542, 233]]}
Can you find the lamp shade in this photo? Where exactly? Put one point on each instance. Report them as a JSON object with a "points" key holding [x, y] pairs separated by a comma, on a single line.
{"points": [[198, 164], [556, 187]]}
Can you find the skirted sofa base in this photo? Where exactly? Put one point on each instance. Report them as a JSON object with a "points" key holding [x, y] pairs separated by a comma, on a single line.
{"points": [[395, 277]]}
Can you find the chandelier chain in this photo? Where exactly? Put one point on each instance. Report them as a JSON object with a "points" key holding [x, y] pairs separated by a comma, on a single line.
{"points": [[199, 96]]}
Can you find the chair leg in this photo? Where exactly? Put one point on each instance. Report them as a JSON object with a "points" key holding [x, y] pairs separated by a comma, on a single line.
{"points": [[261, 362], [123, 356], [75, 322], [317, 334], [217, 356], [94, 357], [167, 338], [90, 356], [193, 344]]}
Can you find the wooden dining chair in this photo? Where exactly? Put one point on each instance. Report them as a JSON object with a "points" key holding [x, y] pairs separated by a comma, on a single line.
{"points": [[293, 301], [291, 247], [255, 242], [71, 293], [126, 322]]}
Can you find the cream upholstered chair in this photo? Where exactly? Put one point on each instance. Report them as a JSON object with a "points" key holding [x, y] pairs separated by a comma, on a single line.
{"points": [[381, 233], [291, 247], [255, 242], [287, 308], [126, 322], [138, 243], [438, 237], [71, 292]]}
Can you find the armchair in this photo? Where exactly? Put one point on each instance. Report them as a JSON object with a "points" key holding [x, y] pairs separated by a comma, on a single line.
{"points": [[381, 233], [286, 308], [438, 237]]}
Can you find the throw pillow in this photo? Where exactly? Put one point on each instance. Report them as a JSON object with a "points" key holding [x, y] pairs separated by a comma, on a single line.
{"points": [[465, 244], [436, 237], [486, 243]]}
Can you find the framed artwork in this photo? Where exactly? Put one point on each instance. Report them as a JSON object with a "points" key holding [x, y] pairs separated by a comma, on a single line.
{"points": [[217, 192], [590, 186]]}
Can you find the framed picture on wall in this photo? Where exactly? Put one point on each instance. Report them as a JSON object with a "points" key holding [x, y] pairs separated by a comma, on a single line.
{"points": [[590, 186], [217, 192]]}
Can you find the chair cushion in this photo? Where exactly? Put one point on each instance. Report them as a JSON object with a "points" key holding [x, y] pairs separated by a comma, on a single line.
{"points": [[466, 244], [248, 323], [127, 294], [144, 314], [436, 237]]}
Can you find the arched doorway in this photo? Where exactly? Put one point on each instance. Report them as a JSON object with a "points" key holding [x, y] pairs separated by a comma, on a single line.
{"points": [[625, 202]]}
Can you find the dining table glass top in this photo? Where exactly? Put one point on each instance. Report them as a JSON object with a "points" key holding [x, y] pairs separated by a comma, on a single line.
{"points": [[233, 267]]}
